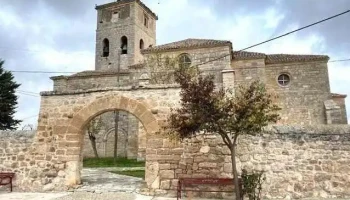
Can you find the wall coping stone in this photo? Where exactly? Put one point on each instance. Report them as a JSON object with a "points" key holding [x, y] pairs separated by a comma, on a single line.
{"points": [[128, 88], [17, 134], [321, 129]]}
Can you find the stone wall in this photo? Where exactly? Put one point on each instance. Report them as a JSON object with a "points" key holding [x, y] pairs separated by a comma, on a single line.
{"points": [[298, 161], [17, 154], [302, 100], [308, 161], [341, 116], [201, 55], [84, 82]]}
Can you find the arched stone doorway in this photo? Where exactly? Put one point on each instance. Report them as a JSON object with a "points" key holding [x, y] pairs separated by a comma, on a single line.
{"points": [[88, 112], [131, 137]]}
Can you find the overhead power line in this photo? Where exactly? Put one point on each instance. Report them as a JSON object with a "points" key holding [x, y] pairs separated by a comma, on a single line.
{"points": [[56, 72], [41, 72], [221, 57], [36, 51], [343, 60], [283, 35], [28, 94], [29, 117]]}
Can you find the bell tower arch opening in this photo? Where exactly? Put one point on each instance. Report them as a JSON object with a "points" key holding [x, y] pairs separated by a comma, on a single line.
{"points": [[124, 45], [105, 47]]}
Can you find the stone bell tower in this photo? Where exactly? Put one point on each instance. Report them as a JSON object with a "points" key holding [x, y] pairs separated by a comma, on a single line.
{"points": [[124, 28]]}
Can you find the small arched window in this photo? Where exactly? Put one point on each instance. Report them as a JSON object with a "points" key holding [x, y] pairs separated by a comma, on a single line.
{"points": [[184, 60], [124, 45], [142, 45], [105, 48]]}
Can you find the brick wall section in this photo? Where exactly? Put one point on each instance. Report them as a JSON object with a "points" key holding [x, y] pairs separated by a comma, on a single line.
{"points": [[299, 162]]}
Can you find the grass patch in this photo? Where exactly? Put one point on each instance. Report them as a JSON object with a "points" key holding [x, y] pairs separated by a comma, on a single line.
{"points": [[109, 162], [136, 173]]}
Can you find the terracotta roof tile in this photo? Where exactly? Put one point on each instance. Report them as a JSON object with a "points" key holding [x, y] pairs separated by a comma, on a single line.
{"points": [[242, 55], [127, 1], [277, 58], [285, 58], [188, 43]]}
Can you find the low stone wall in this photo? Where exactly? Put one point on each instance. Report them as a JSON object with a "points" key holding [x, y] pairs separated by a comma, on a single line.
{"points": [[34, 170], [14, 146], [298, 161]]}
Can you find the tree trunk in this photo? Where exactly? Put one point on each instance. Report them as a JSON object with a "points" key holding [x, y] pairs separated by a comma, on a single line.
{"points": [[116, 120], [93, 144], [234, 171]]}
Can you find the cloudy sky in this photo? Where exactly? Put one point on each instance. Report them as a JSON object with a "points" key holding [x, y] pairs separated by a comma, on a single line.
{"points": [[59, 35]]}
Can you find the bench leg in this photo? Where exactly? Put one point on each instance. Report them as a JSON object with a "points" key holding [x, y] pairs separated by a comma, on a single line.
{"points": [[11, 183], [178, 191]]}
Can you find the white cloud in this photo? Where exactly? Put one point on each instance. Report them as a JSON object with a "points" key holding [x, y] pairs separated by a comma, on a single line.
{"points": [[64, 61], [9, 20]]}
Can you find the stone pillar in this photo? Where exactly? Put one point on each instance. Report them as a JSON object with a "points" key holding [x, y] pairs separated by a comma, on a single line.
{"points": [[333, 112], [73, 177], [228, 80]]}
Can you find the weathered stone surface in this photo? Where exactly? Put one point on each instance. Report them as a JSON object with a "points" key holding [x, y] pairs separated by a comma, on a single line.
{"points": [[49, 187], [167, 174], [205, 149]]}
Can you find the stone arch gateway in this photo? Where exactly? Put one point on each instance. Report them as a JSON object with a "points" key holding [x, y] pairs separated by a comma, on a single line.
{"points": [[99, 106], [53, 160]]}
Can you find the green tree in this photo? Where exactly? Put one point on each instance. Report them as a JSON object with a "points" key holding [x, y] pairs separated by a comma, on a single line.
{"points": [[212, 110], [93, 128], [8, 99]]}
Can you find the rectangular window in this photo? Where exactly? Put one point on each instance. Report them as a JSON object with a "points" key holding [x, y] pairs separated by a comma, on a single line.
{"points": [[145, 20], [115, 17]]}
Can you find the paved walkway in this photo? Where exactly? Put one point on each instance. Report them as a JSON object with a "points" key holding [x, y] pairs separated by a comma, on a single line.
{"points": [[101, 181]]}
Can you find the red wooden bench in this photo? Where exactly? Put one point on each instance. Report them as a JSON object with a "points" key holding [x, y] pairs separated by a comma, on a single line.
{"points": [[6, 178], [187, 182]]}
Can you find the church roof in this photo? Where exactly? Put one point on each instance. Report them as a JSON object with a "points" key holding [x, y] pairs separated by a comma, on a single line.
{"points": [[188, 43], [118, 2], [285, 58], [277, 58], [242, 55]]}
